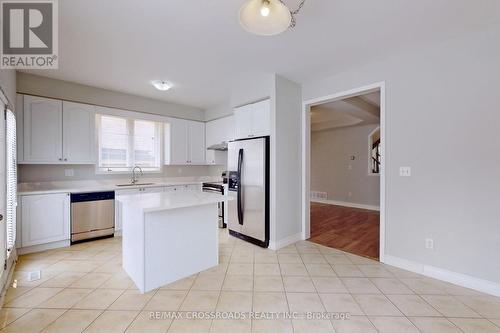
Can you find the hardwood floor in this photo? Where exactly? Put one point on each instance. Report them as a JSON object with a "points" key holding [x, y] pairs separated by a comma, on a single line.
{"points": [[349, 229]]}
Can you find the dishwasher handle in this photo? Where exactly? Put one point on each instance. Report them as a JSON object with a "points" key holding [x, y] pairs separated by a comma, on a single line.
{"points": [[92, 196]]}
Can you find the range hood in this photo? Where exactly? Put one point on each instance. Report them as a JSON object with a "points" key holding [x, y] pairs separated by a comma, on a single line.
{"points": [[219, 146]]}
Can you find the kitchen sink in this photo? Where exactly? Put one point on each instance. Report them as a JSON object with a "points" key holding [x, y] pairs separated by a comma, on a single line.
{"points": [[136, 184]]}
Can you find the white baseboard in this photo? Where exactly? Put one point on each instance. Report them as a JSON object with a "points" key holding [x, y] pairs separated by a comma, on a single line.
{"points": [[346, 204], [285, 241], [467, 281], [43, 247], [7, 278]]}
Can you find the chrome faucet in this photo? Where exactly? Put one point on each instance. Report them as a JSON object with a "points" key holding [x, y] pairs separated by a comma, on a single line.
{"points": [[134, 176]]}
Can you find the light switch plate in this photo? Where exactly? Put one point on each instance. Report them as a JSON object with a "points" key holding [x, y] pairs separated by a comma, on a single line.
{"points": [[405, 171], [429, 243]]}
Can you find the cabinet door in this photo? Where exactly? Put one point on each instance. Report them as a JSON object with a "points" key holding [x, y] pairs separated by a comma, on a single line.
{"points": [[229, 128], [176, 142], [261, 118], [212, 133], [45, 218], [152, 189], [78, 133], [118, 206], [42, 130], [243, 121], [196, 142], [216, 157]]}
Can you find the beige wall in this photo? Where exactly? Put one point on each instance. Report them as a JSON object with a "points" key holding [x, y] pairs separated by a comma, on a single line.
{"points": [[49, 173], [42, 86], [330, 159]]}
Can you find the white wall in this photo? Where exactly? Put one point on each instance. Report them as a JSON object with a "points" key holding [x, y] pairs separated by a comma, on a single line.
{"points": [[8, 84], [330, 159], [442, 111], [286, 169], [42, 86]]}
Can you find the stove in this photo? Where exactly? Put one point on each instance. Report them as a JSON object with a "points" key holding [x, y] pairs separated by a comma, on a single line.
{"points": [[219, 188]]}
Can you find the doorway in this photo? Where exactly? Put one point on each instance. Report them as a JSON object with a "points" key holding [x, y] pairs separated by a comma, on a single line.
{"points": [[343, 163]]}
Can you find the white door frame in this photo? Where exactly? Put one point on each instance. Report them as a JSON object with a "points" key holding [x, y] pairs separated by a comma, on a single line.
{"points": [[306, 155]]}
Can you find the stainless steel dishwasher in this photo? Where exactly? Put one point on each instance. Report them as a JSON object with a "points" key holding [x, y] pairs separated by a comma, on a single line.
{"points": [[92, 215]]}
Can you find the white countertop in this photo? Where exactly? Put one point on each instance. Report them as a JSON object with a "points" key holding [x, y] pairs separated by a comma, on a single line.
{"points": [[154, 202], [83, 186]]}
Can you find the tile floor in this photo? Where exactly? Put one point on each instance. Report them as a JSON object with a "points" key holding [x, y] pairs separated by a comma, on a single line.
{"points": [[84, 289]]}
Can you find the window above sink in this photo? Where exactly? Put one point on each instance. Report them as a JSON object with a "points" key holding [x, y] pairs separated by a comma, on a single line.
{"points": [[125, 142]]}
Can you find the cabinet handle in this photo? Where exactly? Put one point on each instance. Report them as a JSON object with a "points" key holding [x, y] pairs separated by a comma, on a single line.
{"points": [[60, 159], [65, 159]]}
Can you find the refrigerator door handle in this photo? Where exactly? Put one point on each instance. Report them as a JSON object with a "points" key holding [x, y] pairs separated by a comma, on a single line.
{"points": [[239, 194]]}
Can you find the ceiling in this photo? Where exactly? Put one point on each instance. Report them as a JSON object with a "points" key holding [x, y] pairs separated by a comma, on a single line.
{"points": [[353, 111], [199, 46]]}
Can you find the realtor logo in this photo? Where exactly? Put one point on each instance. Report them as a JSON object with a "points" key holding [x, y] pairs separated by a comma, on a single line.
{"points": [[29, 34]]}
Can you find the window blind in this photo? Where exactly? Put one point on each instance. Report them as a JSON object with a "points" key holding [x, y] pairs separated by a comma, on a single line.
{"points": [[126, 142], [11, 172]]}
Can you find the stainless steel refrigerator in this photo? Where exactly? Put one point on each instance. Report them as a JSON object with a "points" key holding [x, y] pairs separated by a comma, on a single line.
{"points": [[248, 180]]}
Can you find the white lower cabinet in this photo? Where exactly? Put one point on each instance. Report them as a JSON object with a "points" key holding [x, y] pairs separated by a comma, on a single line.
{"points": [[45, 218], [141, 190]]}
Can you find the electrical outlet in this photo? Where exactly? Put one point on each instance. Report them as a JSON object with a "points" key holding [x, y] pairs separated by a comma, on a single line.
{"points": [[349, 194], [179, 170], [69, 172], [33, 276], [429, 243], [349, 167], [405, 171]]}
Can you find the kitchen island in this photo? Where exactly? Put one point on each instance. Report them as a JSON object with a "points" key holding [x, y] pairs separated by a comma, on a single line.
{"points": [[168, 236]]}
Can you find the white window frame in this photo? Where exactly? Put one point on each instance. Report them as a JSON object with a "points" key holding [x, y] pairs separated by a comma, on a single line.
{"points": [[130, 127]]}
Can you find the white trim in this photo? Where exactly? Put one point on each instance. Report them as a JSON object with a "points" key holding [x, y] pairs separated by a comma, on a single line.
{"points": [[306, 147], [285, 241], [43, 247], [466, 281], [346, 204], [7, 276]]}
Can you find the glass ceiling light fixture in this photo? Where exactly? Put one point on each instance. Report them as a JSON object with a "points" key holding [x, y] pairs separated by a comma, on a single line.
{"points": [[267, 17], [161, 85]]}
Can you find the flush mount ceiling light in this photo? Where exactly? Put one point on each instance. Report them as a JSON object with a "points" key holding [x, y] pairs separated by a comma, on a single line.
{"points": [[161, 85], [267, 17]]}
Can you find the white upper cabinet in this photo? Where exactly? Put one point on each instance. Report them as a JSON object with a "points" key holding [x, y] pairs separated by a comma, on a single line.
{"points": [[184, 142], [243, 121], [253, 120], [42, 137], [56, 132], [261, 118], [218, 131], [78, 133], [196, 139]]}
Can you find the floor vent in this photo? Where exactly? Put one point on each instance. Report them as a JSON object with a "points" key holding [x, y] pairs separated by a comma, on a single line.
{"points": [[33, 276], [315, 195]]}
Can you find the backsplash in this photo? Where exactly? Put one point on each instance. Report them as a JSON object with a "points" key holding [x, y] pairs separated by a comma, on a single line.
{"points": [[28, 173]]}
